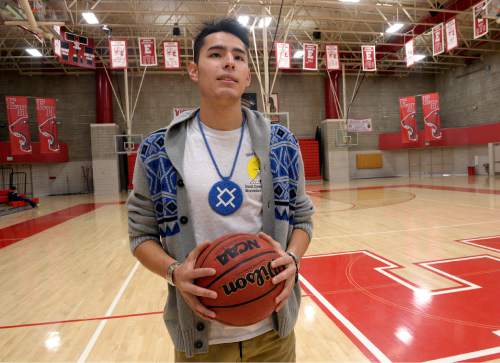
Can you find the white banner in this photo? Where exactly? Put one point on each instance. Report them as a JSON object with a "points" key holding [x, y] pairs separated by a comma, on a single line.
{"points": [[451, 35], [118, 58], [332, 57], [171, 55], [283, 56], [410, 60], [438, 39], [480, 20], [359, 125], [147, 52], [369, 58]]}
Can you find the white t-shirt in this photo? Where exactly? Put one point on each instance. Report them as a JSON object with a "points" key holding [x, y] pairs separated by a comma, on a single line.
{"points": [[199, 176]]}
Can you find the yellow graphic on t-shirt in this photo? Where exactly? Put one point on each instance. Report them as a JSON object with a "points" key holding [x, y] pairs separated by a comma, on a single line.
{"points": [[253, 167]]}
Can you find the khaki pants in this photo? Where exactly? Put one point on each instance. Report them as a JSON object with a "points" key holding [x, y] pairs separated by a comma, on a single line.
{"points": [[268, 347]]}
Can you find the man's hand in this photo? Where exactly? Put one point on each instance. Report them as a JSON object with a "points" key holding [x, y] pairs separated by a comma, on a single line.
{"points": [[287, 275], [183, 277]]}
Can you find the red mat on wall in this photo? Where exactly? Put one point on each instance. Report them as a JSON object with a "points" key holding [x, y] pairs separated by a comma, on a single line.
{"points": [[310, 154]]}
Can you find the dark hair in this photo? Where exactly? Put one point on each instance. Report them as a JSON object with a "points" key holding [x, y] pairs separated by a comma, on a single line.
{"points": [[226, 25]]}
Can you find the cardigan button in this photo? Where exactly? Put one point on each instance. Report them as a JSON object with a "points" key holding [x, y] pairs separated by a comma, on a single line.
{"points": [[180, 183], [198, 344], [184, 219], [200, 326]]}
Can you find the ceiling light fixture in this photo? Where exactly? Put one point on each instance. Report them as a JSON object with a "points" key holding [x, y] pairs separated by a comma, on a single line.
{"points": [[34, 52], [394, 28], [90, 17]]}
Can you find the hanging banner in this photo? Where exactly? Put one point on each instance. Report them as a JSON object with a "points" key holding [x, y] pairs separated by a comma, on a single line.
{"points": [[368, 56], [171, 55], [118, 58], [480, 19], [19, 131], [147, 52], [283, 57], [438, 39], [332, 57], [432, 121], [408, 117], [310, 58], [47, 128], [451, 35], [410, 60]]}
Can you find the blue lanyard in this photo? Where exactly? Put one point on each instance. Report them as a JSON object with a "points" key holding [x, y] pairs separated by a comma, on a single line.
{"points": [[210, 151]]}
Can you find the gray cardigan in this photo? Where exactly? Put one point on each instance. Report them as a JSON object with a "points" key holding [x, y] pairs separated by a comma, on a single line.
{"points": [[188, 332]]}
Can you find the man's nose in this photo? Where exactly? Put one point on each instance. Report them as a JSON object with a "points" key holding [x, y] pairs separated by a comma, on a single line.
{"points": [[229, 61]]}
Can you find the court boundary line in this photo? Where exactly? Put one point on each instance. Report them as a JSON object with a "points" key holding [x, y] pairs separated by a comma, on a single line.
{"points": [[419, 186], [468, 242], [93, 340], [367, 343]]}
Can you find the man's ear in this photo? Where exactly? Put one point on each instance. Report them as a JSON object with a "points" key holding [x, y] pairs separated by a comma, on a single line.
{"points": [[193, 71], [249, 78]]}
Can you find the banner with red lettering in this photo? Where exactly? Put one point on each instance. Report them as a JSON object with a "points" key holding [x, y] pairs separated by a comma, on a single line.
{"points": [[408, 117], [283, 56], [480, 19], [432, 121], [332, 57], [171, 55], [368, 56], [47, 128], [118, 58], [19, 131], [310, 58], [438, 39], [451, 34], [147, 52], [410, 60]]}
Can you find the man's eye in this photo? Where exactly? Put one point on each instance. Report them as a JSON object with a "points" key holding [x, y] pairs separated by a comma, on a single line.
{"points": [[214, 55], [239, 57]]}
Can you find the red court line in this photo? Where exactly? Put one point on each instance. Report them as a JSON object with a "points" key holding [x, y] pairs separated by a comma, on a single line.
{"points": [[15, 233], [420, 186], [79, 320]]}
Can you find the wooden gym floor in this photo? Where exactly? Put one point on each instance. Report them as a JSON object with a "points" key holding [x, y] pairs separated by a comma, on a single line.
{"points": [[399, 270]]}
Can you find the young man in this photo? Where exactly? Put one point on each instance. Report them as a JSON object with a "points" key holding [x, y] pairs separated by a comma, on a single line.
{"points": [[13, 196], [216, 170]]}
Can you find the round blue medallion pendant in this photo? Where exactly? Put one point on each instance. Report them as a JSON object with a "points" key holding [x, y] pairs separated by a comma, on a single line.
{"points": [[225, 197]]}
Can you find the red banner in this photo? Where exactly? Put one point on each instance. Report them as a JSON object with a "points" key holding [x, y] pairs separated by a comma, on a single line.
{"points": [[368, 56], [310, 59], [408, 117], [19, 131], [438, 39], [47, 128], [480, 19], [432, 121], [147, 52]]}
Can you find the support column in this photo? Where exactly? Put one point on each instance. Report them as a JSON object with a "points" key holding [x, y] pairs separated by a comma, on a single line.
{"points": [[105, 164]]}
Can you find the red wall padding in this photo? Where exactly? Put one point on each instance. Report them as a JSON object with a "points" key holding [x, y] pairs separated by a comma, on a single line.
{"points": [[35, 157], [310, 154], [131, 163], [458, 136]]}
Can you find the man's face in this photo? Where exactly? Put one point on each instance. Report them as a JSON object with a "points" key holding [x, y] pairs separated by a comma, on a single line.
{"points": [[222, 71]]}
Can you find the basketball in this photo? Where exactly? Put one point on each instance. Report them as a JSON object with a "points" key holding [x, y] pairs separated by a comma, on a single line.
{"points": [[245, 292]]}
